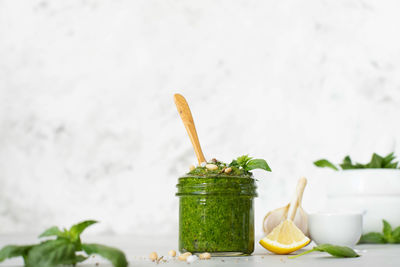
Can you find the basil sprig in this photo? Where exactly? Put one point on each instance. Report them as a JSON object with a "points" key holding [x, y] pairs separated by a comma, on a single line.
{"points": [[65, 249], [248, 163], [388, 235], [376, 162], [336, 251]]}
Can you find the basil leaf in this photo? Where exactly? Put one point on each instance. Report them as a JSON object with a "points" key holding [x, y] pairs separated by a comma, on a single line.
{"points": [[52, 253], [248, 163], [396, 234], [257, 164], [359, 166], [376, 162], [53, 231], [116, 256], [391, 165], [346, 164], [387, 235], [372, 238], [337, 251], [62, 251], [77, 259], [347, 160], [386, 160], [234, 163], [12, 251], [387, 231], [325, 163], [77, 229], [243, 160]]}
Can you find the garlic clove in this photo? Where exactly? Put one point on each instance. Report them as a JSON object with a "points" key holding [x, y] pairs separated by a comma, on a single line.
{"points": [[275, 217], [301, 221]]}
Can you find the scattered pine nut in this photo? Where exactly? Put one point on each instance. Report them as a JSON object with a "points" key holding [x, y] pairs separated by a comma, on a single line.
{"points": [[205, 256], [153, 256], [211, 167], [228, 170], [184, 256], [172, 253]]}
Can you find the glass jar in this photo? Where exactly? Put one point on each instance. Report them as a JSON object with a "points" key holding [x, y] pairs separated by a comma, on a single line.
{"points": [[216, 215]]}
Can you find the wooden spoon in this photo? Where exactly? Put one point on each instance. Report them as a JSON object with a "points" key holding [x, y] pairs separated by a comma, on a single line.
{"points": [[293, 211], [187, 119]]}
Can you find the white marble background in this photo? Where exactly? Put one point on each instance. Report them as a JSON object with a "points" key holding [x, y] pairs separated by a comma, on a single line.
{"points": [[88, 127]]}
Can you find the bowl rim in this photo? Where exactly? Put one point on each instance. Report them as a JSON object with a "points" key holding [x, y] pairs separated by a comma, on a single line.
{"points": [[336, 213], [369, 170]]}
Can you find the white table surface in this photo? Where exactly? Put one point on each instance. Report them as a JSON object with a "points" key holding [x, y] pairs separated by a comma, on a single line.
{"points": [[137, 250]]}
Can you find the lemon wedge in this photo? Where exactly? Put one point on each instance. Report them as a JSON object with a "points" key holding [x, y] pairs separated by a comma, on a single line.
{"points": [[285, 238]]}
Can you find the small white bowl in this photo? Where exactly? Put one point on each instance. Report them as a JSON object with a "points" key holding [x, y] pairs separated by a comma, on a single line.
{"points": [[342, 229], [375, 192]]}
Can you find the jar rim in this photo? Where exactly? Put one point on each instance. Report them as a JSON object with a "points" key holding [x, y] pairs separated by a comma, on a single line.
{"points": [[216, 185]]}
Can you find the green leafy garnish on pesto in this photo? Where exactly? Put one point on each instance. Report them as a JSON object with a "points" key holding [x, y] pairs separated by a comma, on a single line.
{"points": [[241, 166], [336, 251], [248, 163], [376, 162], [65, 250]]}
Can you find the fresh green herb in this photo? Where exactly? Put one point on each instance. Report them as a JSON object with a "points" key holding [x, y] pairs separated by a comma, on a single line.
{"points": [[242, 166], [376, 162], [114, 255], [388, 235], [248, 163], [336, 251], [325, 163], [62, 250]]}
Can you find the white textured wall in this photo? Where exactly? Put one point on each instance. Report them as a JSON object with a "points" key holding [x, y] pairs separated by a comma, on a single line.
{"points": [[88, 127]]}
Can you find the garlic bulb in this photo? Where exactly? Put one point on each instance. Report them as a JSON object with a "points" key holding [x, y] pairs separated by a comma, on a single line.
{"points": [[275, 217]]}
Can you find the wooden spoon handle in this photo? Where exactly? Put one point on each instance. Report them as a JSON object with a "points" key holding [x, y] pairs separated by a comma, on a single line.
{"points": [[301, 184], [187, 119]]}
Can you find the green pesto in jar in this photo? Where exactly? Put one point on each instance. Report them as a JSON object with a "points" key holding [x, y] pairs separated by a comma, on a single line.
{"points": [[216, 213]]}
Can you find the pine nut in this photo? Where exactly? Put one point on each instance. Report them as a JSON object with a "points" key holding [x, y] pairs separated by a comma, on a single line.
{"points": [[211, 167], [172, 253], [184, 256], [205, 256], [228, 170], [153, 256]]}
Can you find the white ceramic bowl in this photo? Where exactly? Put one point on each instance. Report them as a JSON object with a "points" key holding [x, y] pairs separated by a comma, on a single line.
{"points": [[342, 229], [373, 192]]}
